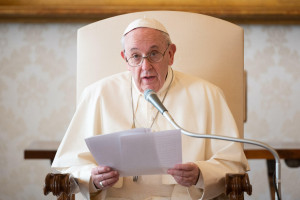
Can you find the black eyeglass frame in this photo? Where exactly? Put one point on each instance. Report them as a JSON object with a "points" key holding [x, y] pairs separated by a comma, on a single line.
{"points": [[149, 59]]}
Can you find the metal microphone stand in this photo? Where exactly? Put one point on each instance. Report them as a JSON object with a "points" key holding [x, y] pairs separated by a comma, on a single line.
{"points": [[166, 114]]}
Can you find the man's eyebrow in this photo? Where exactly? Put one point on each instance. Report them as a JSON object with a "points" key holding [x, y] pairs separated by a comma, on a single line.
{"points": [[137, 49], [133, 49], [152, 47]]}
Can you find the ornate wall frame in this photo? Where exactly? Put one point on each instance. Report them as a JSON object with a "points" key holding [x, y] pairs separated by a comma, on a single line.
{"points": [[237, 11]]}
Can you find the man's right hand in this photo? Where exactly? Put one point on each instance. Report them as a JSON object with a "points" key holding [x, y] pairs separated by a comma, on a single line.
{"points": [[104, 177]]}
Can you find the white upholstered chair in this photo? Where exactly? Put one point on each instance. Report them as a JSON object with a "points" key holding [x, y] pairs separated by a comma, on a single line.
{"points": [[208, 47]]}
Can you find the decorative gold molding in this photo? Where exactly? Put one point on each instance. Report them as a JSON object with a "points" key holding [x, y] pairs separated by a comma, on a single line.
{"points": [[238, 11]]}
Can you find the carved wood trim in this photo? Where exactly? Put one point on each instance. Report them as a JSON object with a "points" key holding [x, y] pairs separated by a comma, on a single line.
{"points": [[254, 11], [236, 185], [59, 185]]}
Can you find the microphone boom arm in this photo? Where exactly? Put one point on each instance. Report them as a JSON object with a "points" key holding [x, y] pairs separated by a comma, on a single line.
{"points": [[253, 142], [151, 96]]}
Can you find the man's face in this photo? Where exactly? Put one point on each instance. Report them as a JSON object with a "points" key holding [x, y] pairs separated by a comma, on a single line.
{"points": [[142, 41]]}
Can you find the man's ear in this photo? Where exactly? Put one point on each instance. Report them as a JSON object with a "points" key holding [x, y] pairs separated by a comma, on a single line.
{"points": [[123, 55], [172, 50]]}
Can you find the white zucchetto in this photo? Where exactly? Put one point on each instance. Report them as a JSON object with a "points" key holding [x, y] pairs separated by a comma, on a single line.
{"points": [[145, 23]]}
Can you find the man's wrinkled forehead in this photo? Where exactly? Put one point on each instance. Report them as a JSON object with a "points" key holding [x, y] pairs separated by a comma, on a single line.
{"points": [[144, 38], [145, 23]]}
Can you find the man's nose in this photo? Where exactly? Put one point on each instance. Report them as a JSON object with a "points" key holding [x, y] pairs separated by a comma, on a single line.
{"points": [[146, 64]]}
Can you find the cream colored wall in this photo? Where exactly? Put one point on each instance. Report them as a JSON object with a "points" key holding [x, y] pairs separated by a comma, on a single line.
{"points": [[272, 61], [37, 99]]}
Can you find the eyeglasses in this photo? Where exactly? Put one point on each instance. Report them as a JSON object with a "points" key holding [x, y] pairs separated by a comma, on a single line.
{"points": [[154, 57]]}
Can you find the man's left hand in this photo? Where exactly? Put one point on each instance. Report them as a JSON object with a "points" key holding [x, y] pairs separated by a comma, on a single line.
{"points": [[185, 174]]}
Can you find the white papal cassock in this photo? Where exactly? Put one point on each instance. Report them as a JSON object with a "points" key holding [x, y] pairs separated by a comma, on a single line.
{"points": [[198, 106]]}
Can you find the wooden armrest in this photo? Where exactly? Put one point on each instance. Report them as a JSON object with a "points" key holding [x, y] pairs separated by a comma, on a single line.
{"points": [[60, 186], [236, 185]]}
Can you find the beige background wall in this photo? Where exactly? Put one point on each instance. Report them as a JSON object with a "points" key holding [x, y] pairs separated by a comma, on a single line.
{"points": [[37, 99]]}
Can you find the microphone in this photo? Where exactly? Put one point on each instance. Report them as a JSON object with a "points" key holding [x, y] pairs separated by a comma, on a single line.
{"points": [[151, 96]]}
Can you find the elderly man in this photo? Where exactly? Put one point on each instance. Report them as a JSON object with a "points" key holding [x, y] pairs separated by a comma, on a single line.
{"points": [[116, 103]]}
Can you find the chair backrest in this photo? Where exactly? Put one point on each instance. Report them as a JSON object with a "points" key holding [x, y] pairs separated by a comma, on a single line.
{"points": [[208, 47]]}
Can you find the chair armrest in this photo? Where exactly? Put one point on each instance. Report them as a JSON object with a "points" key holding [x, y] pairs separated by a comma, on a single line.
{"points": [[61, 185], [236, 185]]}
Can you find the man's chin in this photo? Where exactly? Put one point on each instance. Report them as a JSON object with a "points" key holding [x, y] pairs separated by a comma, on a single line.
{"points": [[149, 88]]}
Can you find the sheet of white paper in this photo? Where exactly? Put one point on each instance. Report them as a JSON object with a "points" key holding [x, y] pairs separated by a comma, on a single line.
{"points": [[137, 151]]}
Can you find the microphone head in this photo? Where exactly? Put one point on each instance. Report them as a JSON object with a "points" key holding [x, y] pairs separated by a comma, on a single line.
{"points": [[152, 97], [147, 93]]}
